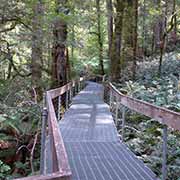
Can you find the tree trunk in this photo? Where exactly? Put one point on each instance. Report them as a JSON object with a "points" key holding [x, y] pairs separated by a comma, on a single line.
{"points": [[100, 41], [162, 46], [158, 26], [73, 39], [144, 30], [163, 36], [135, 36], [174, 33], [116, 56], [9, 70], [36, 56], [127, 34], [110, 27], [153, 44], [59, 51]]}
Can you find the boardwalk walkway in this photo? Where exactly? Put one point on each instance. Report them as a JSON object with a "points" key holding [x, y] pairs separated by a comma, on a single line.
{"points": [[92, 143]]}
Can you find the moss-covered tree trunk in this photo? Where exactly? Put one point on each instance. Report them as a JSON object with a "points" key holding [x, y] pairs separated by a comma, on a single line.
{"points": [[73, 38], [117, 41], [110, 27], [163, 36], [144, 34], [59, 51], [174, 33], [135, 36], [37, 44], [100, 40], [128, 24]]}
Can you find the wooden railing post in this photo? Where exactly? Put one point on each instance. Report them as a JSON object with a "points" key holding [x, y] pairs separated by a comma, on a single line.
{"points": [[79, 85], [117, 108], [102, 95], [70, 94], [67, 99], [110, 99], [43, 135], [103, 79], [164, 161], [75, 88], [59, 108], [84, 83], [123, 122]]}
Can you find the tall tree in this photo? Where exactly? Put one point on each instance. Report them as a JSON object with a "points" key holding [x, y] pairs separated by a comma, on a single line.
{"points": [[73, 35], [174, 33], [100, 40], [157, 27], [144, 29], [127, 50], [110, 27], [135, 36], [117, 40], [37, 41], [60, 52]]}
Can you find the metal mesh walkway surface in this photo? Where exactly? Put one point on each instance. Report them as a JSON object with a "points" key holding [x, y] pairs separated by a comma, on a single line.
{"points": [[94, 149]]}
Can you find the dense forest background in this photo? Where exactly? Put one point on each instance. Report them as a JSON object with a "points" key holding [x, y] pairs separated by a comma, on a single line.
{"points": [[46, 43]]}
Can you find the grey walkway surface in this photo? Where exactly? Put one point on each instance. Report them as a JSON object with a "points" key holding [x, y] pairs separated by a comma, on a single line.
{"points": [[92, 143]]}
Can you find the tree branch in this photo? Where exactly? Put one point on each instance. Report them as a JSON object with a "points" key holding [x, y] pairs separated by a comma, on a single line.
{"points": [[32, 153], [95, 33], [9, 57]]}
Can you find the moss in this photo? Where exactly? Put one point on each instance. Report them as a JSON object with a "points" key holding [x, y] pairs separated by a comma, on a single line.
{"points": [[138, 118]]}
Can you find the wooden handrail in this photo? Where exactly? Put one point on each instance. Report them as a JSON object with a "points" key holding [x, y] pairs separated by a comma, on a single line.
{"points": [[61, 169], [163, 115], [60, 160], [59, 91]]}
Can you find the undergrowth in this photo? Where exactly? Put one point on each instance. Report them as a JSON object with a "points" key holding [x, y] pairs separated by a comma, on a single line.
{"points": [[19, 123], [144, 135]]}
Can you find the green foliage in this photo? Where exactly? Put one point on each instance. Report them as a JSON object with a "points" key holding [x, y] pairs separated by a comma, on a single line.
{"points": [[19, 121], [20, 165], [162, 91], [4, 170], [146, 140], [146, 143]]}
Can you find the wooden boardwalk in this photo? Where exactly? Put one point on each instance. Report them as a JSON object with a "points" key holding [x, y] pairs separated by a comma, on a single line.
{"points": [[94, 149]]}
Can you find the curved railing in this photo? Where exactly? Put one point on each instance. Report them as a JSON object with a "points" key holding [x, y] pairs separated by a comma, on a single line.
{"points": [[163, 115], [168, 118], [54, 161]]}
